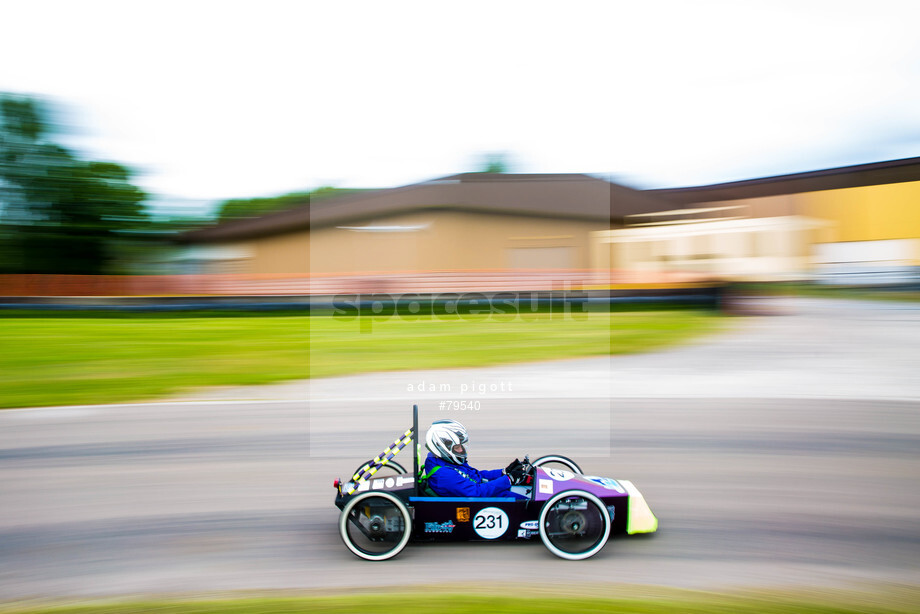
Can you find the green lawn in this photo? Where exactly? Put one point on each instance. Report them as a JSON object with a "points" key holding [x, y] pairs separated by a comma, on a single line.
{"points": [[82, 360], [654, 601], [813, 290]]}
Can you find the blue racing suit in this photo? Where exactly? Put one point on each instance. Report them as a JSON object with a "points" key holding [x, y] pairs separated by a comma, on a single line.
{"points": [[449, 480]]}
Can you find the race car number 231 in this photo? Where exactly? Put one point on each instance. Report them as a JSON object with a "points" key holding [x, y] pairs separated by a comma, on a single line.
{"points": [[490, 522]]}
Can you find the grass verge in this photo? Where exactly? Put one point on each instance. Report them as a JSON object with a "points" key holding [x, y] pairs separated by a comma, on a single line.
{"points": [[811, 290], [74, 360], [903, 600]]}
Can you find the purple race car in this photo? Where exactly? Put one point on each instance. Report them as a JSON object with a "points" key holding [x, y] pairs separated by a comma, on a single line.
{"points": [[572, 513]]}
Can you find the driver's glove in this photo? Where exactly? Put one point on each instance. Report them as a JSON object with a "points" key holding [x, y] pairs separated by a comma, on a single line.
{"points": [[518, 474], [515, 464]]}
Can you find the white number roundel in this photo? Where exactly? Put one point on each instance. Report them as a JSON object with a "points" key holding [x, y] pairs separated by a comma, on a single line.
{"points": [[490, 523]]}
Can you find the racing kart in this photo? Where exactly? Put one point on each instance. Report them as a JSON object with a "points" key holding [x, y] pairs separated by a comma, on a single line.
{"points": [[383, 507]]}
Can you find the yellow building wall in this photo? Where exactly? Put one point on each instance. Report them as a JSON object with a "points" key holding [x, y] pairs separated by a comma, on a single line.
{"points": [[871, 213]]}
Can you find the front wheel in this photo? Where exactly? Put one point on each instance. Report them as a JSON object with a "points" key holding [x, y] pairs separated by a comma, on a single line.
{"points": [[554, 461], [376, 526], [574, 525]]}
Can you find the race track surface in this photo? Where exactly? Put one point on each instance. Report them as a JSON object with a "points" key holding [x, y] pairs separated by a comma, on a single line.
{"points": [[785, 452]]}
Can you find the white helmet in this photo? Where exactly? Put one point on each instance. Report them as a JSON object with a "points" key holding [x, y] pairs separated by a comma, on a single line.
{"points": [[447, 439]]}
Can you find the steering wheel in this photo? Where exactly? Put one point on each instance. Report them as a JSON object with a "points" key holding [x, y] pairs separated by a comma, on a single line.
{"points": [[526, 478]]}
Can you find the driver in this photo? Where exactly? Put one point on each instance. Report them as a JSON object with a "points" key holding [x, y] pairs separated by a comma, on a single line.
{"points": [[449, 474]]}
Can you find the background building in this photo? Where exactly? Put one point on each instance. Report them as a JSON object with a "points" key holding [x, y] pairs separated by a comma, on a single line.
{"points": [[857, 224], [475, 221]]}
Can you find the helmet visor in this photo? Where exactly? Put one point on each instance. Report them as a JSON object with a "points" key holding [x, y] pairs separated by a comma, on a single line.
{"points": [[459, 451]]}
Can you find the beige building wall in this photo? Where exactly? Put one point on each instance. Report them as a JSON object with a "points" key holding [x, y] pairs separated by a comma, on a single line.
{"points": [[280, 254], [451, 241], [766, 248], [766, 206], [426, 241]]}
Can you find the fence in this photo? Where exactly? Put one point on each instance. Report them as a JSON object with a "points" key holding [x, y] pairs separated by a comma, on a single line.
{"points": [[327, 285]]}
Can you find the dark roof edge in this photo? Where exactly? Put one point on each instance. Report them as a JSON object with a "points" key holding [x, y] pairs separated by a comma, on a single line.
{"points": [[461, 208], [807, 177], [299, 217], [513, 176], [218, 234]]}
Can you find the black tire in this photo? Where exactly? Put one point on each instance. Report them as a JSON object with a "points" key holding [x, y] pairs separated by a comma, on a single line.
{"points": [[556, 459], [574, 525], [375, 526], [393, 466]]}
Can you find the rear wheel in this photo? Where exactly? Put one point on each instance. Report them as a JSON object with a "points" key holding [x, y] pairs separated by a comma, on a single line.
{"points": [[392, 466], [555, 461], [574, 525], [375, 526]]}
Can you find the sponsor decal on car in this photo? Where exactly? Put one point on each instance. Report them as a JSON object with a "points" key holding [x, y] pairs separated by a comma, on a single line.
{"points": [[381, 483], [607, 483], [439, 527], [560, 475], [490, 522], [463, 514], [526, 534], [546, 486], [528, 529]]}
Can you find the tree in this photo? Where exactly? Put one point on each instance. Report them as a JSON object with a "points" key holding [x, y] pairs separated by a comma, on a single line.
{"points": [[495, 163], [58, 214], [256, 207]]}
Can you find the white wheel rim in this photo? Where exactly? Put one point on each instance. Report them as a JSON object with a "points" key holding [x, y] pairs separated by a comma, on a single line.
{"points": [[543, 460], [407, 521], [574, 556]]}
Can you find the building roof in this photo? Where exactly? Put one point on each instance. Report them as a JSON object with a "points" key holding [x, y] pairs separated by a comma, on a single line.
{"points": [[570, 196], [859, 175]]}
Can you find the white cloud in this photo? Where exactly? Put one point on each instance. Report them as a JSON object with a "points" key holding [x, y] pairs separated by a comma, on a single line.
{"points": [[217, 99]]}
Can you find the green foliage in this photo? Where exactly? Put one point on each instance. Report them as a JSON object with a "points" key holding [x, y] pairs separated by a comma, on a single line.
{"points": [[495, 163], [255, 207], [530, 600], [910, 293], [58, 214], [21, 118]]}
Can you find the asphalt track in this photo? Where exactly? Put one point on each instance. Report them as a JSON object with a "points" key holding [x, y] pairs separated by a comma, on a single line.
{"points": [[785, 452]]}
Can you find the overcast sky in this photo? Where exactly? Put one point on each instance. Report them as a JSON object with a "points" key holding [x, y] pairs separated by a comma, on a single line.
{"points": [[217, 99]]}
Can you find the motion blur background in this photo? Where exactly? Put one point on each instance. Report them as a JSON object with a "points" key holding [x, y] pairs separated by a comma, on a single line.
{"points": [[647, 140]]}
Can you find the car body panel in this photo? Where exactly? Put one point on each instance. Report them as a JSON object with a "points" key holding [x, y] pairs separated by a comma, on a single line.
{"points": [[468, 518]]}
